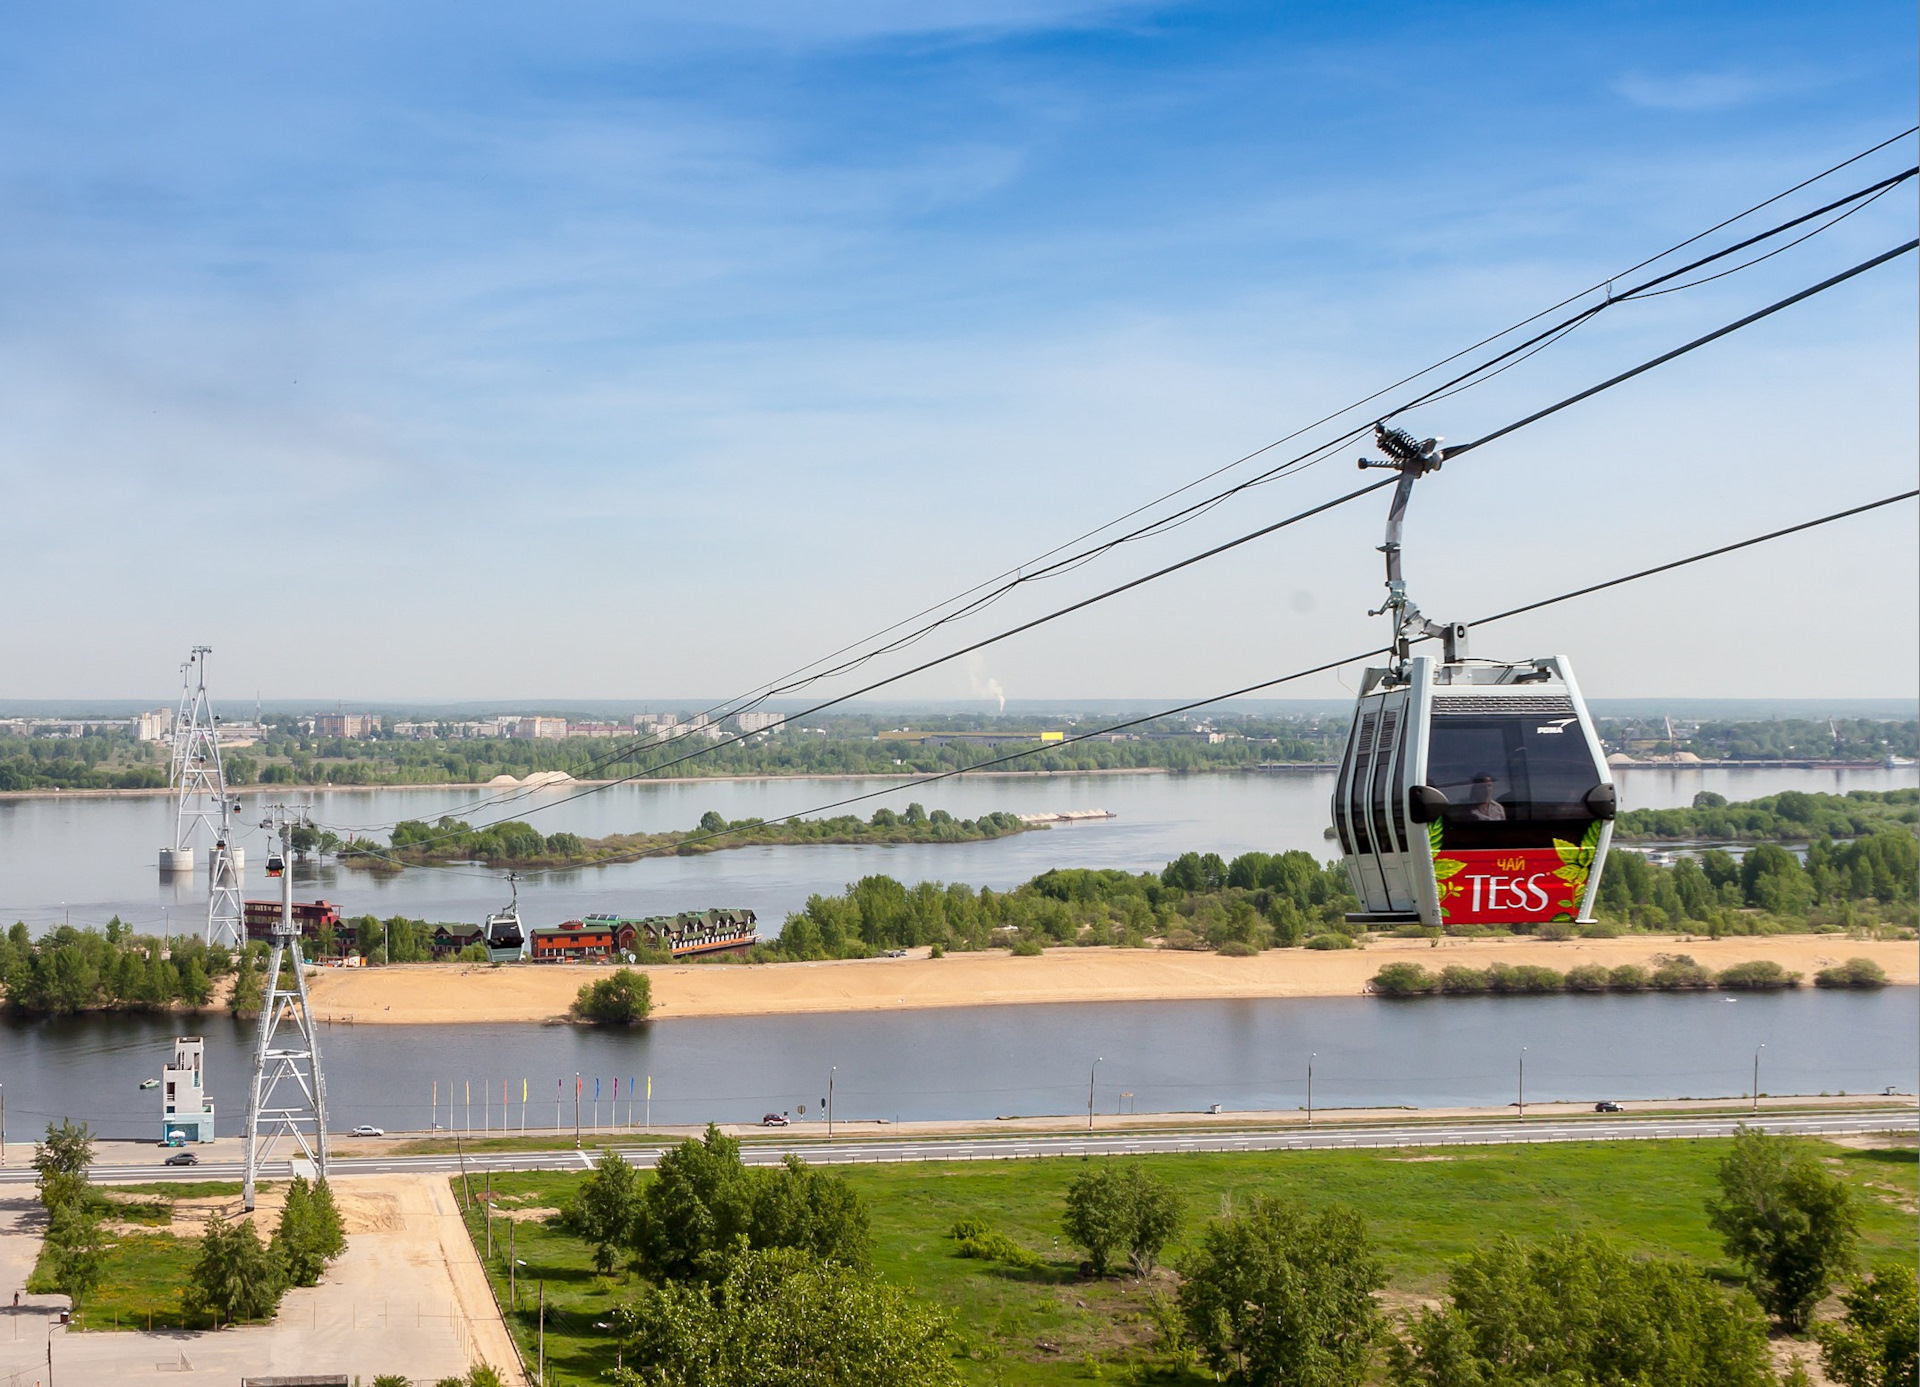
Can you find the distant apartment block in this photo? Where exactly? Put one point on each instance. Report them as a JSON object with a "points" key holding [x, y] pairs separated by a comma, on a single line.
{"points": [[349, 725], [756, 722], [662, 721], [418, 731], [540, 729], [156, 726], [596, 729]]}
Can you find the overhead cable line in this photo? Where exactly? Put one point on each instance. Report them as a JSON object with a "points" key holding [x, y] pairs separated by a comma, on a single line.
{"points": [[1020, 575], [1665, 357], [1218, 549], [1266, 684]]}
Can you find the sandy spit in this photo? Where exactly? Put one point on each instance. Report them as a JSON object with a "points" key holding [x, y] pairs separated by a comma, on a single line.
{"points": [[449, 993]]}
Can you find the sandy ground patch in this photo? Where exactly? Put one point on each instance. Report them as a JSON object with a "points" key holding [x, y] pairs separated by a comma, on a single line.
{"points": [[450, 993], [408, 1296]]}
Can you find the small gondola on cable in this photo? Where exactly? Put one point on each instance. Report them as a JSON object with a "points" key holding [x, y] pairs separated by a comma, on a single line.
{"points": [[1471, 791]]}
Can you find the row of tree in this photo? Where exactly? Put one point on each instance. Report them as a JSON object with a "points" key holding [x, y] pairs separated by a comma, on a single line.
{"points": [[1674, 973], [1198, 901], [1791, 816], [68, 970], [1869, 880]]}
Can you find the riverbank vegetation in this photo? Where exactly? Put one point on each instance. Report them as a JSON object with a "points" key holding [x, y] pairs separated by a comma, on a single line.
{"points": [[1669, 973], [1793, 816], [1274, 1240], [520, 845], [68, 970]]}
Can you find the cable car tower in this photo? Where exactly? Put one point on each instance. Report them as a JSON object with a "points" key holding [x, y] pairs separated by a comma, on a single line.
{"points": [[288, 1095], [1470, 791]]}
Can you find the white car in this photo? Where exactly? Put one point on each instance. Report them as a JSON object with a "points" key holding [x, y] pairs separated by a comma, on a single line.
{"points": [[363, 1130]]}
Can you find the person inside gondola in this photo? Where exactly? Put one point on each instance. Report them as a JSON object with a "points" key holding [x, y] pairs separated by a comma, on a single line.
{"points": [[1481, 805]]}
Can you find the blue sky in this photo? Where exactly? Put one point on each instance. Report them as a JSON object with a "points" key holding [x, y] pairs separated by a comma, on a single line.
{"points": [[650, 350]]}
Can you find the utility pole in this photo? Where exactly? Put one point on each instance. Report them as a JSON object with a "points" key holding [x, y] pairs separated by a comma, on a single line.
{"points": [[1090, 1072], [288, 1096], [576, 1112], [1310, 1059], [1523, 1081], [1756, 1078], [541, 1376], [830, 1073]]}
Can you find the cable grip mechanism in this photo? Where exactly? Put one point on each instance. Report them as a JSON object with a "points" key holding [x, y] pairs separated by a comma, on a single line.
{"points": [[1412, 458]]}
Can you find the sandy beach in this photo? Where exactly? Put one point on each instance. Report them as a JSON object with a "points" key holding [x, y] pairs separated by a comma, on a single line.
{"points": [[451, 993]]}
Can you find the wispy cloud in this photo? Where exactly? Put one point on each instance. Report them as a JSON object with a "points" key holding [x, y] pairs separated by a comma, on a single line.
{"points": [[1695, 91]]}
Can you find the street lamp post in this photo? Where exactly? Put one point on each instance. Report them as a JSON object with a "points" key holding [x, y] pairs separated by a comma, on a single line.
{"points": [[830, 1073], [1523, 1081], [1310, 1059], [1756, 1077], [1090, 1073]]}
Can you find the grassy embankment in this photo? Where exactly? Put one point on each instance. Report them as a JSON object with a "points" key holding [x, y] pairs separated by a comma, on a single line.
{"points": [[144, 1274], [1424, 1209]]}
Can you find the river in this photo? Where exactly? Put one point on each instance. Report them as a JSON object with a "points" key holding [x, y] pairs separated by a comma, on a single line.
{"points": [[87, 858], [985, 1062]]}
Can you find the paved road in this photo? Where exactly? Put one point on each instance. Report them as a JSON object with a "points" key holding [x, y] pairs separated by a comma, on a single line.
{"points": [[1000, 1148]]}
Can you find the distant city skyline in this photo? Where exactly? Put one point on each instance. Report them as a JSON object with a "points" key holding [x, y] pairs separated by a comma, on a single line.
{"points": [[419, 357]]}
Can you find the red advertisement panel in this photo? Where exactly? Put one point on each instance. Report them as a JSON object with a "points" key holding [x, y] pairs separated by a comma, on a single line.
{"points": [[1508, 886]]}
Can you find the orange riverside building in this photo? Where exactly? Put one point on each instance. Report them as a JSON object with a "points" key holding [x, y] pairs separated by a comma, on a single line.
{"points": [[572, 939]]}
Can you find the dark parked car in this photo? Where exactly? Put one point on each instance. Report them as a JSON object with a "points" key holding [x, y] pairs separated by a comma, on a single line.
{"points": [[183, 1158], [1608, 1107]]}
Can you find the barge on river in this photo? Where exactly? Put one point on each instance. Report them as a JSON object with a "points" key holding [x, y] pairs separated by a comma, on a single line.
{"points": [[690, 934]]}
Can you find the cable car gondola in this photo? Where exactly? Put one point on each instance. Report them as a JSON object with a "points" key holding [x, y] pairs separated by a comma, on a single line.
{"points": [[276, 864], [1470, 791]]}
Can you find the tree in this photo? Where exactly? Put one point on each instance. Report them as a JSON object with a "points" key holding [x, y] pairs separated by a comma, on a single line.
{"points": [[479, 1375], [703, 1205], [68, 1150], [1789, 1223], [1115, 1208], [76, 1249], [1878, 1344], [309, 1234], [235, 1277], [695, 1206], [782, 1316], [798, 1206], [1578, 1310], [1279, 1295], [604, 1210], [620, 999]]}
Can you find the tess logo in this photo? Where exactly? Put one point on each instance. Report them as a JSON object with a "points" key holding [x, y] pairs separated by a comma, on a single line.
{"points": [[1491, 893]]}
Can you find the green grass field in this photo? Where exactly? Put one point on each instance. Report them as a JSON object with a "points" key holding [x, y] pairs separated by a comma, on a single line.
{"points": [[1424, 1209]]}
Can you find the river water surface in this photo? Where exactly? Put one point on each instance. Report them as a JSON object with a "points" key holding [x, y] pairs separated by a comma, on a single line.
{"points": [[85, 859], [985, 1062]]}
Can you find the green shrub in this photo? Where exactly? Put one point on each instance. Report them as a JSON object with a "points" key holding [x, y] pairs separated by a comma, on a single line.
{"points": [[1528, 978], [619, 999], [1759, 975], [1588, 977], [975, 1239], [1855, 972], [1332, 940], [1628, 977], [1028, 946], [1237, 948], [1403, 980], [1457, 980], [1680, 973]]}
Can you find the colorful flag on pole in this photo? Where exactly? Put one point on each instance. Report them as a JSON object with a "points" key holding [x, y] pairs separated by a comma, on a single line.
{"points": [[649, 1085], [523, 1090], [596, 1089]]}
